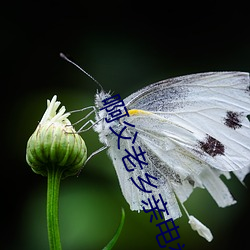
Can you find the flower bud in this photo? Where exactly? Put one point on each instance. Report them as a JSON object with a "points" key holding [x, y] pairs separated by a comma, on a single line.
{"points": [[55, 144]]}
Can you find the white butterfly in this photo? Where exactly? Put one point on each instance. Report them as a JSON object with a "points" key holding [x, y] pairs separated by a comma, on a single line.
{"points": [[193, 129]]}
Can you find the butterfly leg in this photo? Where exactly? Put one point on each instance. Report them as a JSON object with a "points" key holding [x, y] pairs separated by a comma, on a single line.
{"points": [[91, 155], [84, 125], [86, 116], [81, 129]]}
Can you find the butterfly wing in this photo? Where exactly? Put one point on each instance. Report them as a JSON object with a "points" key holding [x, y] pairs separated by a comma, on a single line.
{"points": [[132, 194], [195, 128], [172, 157], [211, 106]]}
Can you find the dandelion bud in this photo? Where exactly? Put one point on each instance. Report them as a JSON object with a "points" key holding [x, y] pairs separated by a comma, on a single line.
{"points": [[55, 143]]}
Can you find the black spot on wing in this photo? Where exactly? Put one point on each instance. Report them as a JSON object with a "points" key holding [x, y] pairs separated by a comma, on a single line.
{"points": [[191, 181], [233, 119], [212, 146], [248, 89]]}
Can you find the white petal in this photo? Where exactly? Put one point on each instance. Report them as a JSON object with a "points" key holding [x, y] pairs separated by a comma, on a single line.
{"points": [[202, 230], [51, 114]]}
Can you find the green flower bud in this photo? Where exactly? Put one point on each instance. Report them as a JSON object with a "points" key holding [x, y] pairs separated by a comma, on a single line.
{"points": [[55, 144]]}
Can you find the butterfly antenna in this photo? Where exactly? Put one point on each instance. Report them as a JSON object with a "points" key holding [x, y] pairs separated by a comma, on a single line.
{"points": [[86, 73]]}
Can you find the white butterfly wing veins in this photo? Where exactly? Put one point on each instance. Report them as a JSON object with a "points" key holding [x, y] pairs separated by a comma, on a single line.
{"points": [[193, 129]]}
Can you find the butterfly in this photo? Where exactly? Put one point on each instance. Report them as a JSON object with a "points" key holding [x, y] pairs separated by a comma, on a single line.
{"points": [[192, 129]]}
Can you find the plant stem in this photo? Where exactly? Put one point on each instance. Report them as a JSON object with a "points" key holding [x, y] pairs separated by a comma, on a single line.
{"points": [[54, 177]]}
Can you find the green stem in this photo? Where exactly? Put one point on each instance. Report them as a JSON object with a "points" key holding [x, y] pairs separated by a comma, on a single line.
{"points": [[54, 177]]}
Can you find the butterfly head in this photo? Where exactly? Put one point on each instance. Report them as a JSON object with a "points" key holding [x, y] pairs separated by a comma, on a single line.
{"points": [[101, 126]]}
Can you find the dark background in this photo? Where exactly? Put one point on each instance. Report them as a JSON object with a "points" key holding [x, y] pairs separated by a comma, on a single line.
{"points": [[125, 45]]}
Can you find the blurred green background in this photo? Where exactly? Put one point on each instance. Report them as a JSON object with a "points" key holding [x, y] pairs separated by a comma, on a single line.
{"points": [[125, 47]]}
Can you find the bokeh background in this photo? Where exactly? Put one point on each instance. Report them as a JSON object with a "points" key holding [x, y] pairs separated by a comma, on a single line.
{"points": [[125, 45]]}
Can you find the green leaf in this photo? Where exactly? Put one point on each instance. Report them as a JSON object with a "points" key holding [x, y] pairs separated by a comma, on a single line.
{"points": [[117, 234]]}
